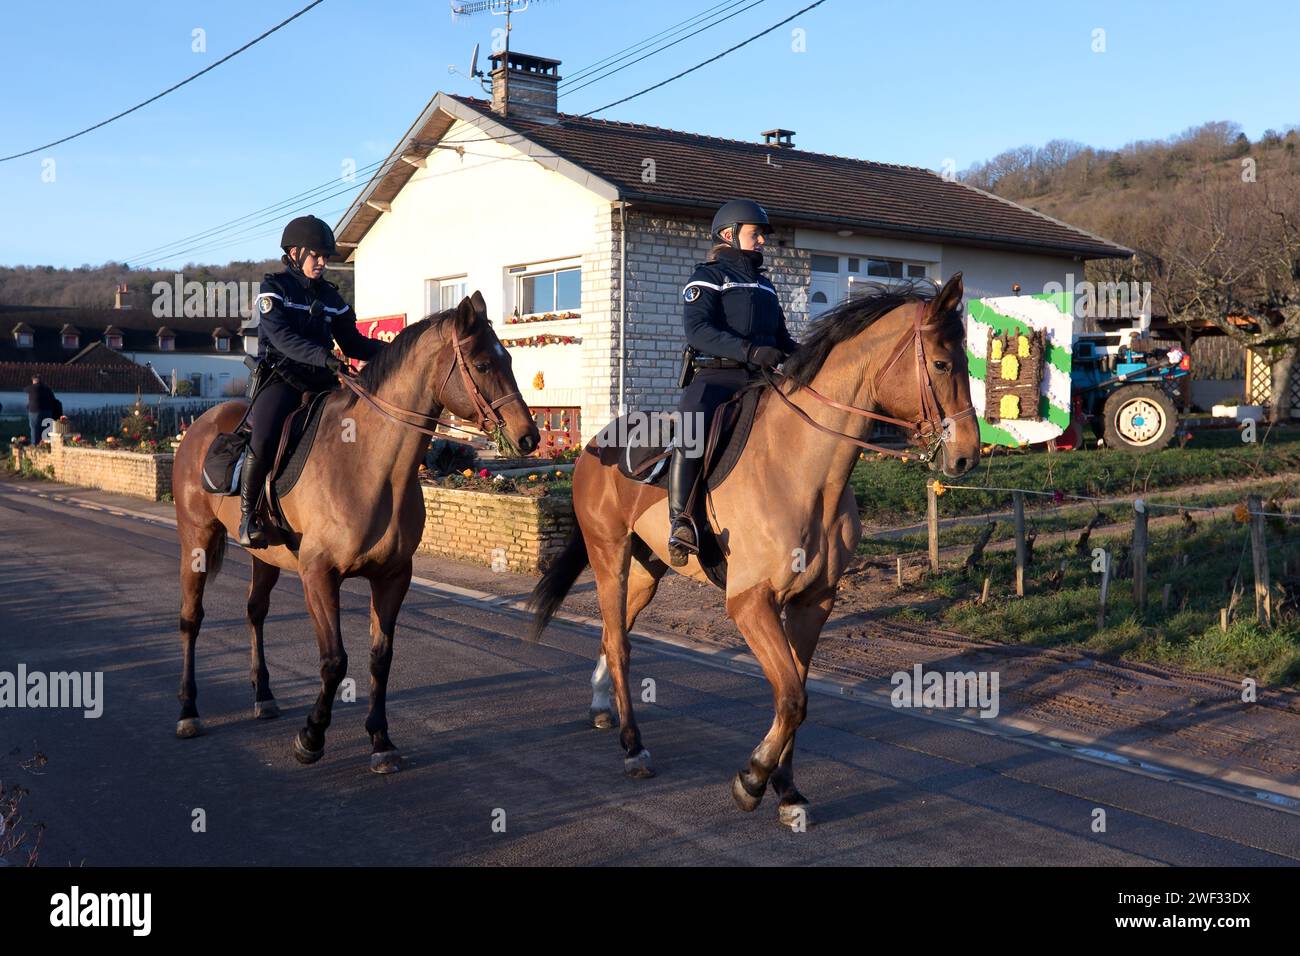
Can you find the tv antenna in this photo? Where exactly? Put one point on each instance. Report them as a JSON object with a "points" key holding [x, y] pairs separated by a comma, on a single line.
{"points": [[500, 8]]}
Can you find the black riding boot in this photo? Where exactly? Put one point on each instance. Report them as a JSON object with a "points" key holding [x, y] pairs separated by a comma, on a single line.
{"points": [[683, 539], [251, 479]]}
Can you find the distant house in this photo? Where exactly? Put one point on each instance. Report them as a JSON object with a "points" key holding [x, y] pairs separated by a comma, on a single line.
{"points": [[582, 232], [103, 353]]}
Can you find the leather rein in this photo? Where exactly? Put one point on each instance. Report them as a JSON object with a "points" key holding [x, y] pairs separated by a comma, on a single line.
{"points": [[490, 419], [928, 430]]}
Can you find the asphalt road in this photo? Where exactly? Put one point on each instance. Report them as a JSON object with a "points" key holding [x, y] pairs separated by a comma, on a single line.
{"points": [[487, 724]]}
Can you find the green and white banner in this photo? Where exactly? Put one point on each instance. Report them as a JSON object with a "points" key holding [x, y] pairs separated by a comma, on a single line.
{"points": [[1019, 314]]}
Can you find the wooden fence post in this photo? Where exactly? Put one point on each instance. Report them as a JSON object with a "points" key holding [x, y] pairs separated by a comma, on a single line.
{"points": [[1105, 588], [1140, 554], [932, 523], [1018, 503], [1263, 592]]}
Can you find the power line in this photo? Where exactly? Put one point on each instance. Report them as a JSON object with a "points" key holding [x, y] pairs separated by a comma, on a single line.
{"points": [[170, 89], [246, 233], [153, 252], [618, 69], [642, 44], [704, 63], [504, 137]]}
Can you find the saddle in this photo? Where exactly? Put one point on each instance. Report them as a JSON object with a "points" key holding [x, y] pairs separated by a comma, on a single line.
{"points": [[225, 458], [627, 443]]}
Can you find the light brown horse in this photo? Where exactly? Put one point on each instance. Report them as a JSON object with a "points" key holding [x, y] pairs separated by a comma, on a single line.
{"points": [[786, 513], [357, 506]]}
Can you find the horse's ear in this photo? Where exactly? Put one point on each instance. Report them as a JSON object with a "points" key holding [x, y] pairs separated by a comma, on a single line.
{"points": [[949, 296], [480, 304], [465, 315]]}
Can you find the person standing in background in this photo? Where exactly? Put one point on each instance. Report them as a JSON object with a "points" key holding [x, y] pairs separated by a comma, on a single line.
{"points": [[41, 405]]}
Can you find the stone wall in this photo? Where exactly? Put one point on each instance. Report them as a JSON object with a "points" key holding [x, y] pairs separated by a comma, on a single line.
{"points": [[662, 252], [125, 472], [516, 532], [508, 532]]}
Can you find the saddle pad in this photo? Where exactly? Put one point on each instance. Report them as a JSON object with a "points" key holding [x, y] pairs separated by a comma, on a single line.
{"points": [[302, 435], [648, 462]]}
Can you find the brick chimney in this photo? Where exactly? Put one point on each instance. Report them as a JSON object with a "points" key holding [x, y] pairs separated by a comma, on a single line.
{"points": [[122, 297], [530, 82]]}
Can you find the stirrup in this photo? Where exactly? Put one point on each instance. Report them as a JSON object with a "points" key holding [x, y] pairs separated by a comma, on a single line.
{"points": [[679, 551], [251, 532]]}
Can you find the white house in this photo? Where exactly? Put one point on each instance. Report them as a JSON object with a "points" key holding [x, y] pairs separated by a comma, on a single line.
{"points": [[582, 232]]}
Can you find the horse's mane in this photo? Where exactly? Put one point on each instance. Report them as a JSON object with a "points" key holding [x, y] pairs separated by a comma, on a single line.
{"points": [[846, 320], [383, 366]]}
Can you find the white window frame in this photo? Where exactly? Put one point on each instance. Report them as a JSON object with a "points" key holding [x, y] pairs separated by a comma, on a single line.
{"points": [[439, 285], [25, 340], [517, 273]]}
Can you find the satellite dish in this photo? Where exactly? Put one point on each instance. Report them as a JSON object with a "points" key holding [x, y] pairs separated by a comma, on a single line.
{"points": [[473, 62]]}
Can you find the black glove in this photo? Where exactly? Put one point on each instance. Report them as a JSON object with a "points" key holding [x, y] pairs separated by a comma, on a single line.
{"points": [[334, 363], [765, 356]]}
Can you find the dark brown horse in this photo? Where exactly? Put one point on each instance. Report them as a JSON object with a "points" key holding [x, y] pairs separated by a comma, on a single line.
{"points": [[357, 506], [786, 512]]}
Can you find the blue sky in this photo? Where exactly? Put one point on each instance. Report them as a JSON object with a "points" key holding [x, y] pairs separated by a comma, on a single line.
{"points": [[893, 81]]}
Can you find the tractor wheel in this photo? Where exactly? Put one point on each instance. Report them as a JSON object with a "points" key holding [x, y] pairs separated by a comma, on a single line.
{"points": [[1138, 418]]}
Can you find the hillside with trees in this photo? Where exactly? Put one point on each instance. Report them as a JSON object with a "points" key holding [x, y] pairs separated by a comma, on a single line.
{"points": [[91, 287]]}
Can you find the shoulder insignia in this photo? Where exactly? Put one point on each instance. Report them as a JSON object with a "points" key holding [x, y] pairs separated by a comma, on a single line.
{"points": [[265, 304], [692, 293]]}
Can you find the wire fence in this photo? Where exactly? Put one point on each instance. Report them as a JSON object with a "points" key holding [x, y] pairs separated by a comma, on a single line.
{"points": [[1250, 513], [97, 423]]}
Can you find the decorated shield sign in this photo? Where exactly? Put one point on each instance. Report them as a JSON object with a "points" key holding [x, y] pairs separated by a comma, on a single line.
{"points": [[1019, 351]]}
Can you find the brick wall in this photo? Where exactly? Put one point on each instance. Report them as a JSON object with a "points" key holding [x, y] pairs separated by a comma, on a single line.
{"points": [[126, 472], [522, 533], [662, 252]]}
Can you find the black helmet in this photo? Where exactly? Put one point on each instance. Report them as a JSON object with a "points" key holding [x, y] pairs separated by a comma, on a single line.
{"points": [[736, 213], [310, 233]]}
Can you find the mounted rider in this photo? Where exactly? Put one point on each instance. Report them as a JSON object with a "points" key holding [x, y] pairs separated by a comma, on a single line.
{"points": [[301, 316], [735, 328]]}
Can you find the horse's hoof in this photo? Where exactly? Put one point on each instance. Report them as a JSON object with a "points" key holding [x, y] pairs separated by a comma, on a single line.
{"points": [[639, 767], [740, 793], [603, 719], [266, 710], [188, 727], [795, 815], [304, 754], [389, 761]]}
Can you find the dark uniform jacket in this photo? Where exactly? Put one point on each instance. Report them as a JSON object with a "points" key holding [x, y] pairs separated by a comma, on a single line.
{"points": [[300, 320], [732, 306], [40, 398]]}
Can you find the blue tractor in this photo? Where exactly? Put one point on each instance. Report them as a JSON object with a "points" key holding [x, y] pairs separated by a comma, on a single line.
{"points": [[1125, 388]]}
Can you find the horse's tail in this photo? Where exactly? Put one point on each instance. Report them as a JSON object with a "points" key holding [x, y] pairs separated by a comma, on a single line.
{"points": [[555, 583], [217, 557]]}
